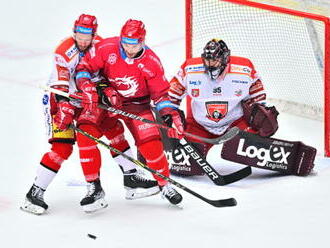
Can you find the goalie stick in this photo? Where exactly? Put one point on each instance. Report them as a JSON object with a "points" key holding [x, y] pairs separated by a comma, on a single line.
{"points": [[215, 177], [216, 141], [229, 202]]}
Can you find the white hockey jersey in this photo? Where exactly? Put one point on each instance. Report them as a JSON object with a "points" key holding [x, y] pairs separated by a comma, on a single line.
{"points": [[66, 58], [216, 104]]}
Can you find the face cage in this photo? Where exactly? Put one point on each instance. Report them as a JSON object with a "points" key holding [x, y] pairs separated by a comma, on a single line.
{"points": [[215, 71]]}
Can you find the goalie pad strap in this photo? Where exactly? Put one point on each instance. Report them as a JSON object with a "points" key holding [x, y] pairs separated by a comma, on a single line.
{"points": [[287, 157]]}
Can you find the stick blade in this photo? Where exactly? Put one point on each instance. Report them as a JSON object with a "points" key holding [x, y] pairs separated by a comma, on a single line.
{"points": [[230, 202], [227, 136]]}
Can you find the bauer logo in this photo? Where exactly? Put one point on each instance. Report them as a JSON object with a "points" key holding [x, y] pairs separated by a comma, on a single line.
{"points": [[274, 157]]}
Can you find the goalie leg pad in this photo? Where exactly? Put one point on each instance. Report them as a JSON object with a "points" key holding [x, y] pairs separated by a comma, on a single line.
{"points": [[289, 157]]}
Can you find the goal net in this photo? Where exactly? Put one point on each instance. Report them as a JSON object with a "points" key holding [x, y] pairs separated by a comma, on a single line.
{"points": [[289, 49]]}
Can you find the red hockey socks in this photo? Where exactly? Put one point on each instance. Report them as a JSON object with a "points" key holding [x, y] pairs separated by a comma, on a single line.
{"points": [[54, 159], [51, 163], [90, 157], [153, 153]]}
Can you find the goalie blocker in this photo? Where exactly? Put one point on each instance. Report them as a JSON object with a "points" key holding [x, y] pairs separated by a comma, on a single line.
{"points": [[287, 157]]}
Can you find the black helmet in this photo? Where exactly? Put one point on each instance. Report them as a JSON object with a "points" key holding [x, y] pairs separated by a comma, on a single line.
{"points": [[216, 50]]}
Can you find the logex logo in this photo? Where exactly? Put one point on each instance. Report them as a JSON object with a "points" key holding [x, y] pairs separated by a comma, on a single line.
{"points": [[178, 156], [275, 154]]}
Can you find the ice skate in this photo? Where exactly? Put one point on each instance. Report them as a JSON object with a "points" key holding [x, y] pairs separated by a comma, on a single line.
{"points": [[94, 199], [171, 194], [137, 186], [34, 201]]}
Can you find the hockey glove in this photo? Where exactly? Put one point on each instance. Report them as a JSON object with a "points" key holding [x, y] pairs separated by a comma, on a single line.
{"points": [[112, 98], [261, 118], [176, 117], [89, 96], [64, 116]]}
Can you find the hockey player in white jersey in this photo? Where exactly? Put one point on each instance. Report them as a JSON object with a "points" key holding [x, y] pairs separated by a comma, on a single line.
{"points": [[216, 85], [225, 91]]}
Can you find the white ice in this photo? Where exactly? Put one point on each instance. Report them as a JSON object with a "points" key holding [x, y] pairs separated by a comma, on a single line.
{"points": [[272, 211]]}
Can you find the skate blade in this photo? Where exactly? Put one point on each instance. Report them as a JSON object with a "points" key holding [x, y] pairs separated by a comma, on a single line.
{"points": [[96, 206], [32, 209], [138, 193]]}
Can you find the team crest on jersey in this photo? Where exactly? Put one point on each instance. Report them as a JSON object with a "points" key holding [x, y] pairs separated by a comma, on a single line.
{"points": [[112, 58], [195, 92], [216, 110], [126, 86]]}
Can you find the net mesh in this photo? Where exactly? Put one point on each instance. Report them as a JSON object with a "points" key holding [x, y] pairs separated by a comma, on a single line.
{"points": [[287, 51]]}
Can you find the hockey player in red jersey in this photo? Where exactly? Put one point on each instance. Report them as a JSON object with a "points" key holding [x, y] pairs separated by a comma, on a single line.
{"points": [[136, 78], [225, 91], [59, 113]]}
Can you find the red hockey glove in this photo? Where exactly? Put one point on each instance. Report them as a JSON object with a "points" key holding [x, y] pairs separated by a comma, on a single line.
{"points": [[112, 97], [64, 115], [176, 117], [88, 95]]}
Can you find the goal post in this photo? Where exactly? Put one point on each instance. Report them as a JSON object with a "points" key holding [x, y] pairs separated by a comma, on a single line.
{"points": [[289, 48]]}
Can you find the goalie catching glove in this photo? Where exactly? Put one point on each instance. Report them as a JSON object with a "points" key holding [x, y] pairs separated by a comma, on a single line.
{"points": [[261, 118]]}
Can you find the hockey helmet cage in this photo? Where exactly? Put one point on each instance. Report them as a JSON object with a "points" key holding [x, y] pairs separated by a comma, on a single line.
{"points": [[216, 49]]}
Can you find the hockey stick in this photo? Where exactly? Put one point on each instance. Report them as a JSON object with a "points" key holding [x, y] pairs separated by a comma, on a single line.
{"points": [[216, 203], [210, 171], [216, 141]]}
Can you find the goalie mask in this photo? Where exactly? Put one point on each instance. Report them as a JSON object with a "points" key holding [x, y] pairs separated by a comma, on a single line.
{"points": [[215, 57]]}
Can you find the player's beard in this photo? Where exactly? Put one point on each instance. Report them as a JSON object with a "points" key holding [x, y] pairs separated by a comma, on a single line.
{"points": [[84, 48]]}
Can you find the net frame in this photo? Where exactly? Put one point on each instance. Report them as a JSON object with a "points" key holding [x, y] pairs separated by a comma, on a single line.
{"points": [[310, 16]]}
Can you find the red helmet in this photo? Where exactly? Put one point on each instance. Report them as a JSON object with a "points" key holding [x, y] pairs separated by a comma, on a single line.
{"points": [[133, 32], [85, 24]]}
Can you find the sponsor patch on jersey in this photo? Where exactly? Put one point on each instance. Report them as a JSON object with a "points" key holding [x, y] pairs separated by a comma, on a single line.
{"points": [[238, 92], [240, 69], [45, 99], [239, 81], [195, 92], [195, 69], [198, 82], [71, 51], [216, 110], [217, 91]]}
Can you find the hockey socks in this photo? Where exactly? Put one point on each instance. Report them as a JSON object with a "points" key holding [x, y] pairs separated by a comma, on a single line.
{"points": [[287, 157], [90, 156], [153, 153]]}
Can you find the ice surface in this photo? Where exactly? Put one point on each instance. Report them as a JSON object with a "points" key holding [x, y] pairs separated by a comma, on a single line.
{"points": [[272, 211]]}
